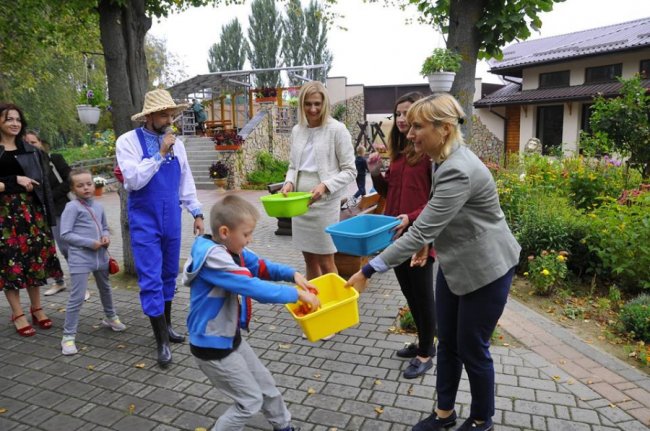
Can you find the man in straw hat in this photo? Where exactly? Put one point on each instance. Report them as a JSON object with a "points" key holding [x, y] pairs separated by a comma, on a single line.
{"points": [[157, 177]]}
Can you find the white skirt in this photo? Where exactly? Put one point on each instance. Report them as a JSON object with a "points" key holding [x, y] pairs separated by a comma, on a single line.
{"points": [[308, 230]]}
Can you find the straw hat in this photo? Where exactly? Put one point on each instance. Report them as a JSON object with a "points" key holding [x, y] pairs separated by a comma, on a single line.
{"points": [[156, 101]]}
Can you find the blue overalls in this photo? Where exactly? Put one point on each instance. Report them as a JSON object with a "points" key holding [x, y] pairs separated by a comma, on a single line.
{"points": [[155, 223]]}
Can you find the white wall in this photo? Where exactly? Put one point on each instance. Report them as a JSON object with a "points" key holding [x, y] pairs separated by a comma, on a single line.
{"points": [[492, 121], [339, 90]]}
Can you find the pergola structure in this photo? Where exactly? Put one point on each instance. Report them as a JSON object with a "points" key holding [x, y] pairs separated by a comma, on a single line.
{"points": [[216, 85]]}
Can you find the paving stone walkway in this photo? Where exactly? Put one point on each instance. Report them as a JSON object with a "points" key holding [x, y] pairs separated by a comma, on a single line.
{"points": [[353, 382]]}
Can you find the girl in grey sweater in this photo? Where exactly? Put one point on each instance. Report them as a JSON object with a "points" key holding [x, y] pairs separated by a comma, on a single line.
{"points": [[84, 228]]}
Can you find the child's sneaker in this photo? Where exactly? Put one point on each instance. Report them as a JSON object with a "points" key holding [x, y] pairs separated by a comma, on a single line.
{"points": [[114, 323], [68, 347]]}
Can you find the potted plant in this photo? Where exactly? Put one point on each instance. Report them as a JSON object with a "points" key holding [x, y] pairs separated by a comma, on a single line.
{"points": [[219, 173], [89, 108], [266, 94], [100, 182], [227, 140], [440, 68]]}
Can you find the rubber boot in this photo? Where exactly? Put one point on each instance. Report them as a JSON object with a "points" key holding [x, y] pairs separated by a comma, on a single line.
{"points": [[174, 337], [159, 326]]}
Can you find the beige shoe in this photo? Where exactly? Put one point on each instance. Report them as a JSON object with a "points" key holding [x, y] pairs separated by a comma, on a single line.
{"points": [[87, 295], [56, 288]]}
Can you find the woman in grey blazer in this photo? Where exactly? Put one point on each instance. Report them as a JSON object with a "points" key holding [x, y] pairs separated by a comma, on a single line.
{"points": [[477, 254]]}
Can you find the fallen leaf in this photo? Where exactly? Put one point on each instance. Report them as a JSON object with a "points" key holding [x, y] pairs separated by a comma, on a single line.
{"points": [[392, 329], [379, 410], [613, 406], [506, 344], [562, 361], [61, 310], [317, 375], [131, 409], [556, 378], [272, 328], [140, 365], [570, 381], [311, 391], [91, 367], [121, 346], [200, 429], [3, 410], [284, 346], [589, 382], [377, 382]]}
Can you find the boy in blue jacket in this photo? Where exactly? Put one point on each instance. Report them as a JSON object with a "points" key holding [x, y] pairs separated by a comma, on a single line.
{"points": [[223, 276]]}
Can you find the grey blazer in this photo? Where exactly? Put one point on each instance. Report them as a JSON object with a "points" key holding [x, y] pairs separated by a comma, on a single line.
{"points": [[464, 221]]}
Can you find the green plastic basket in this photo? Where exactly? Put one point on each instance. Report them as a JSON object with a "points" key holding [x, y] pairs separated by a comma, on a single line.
{"points": [[294, 204]]}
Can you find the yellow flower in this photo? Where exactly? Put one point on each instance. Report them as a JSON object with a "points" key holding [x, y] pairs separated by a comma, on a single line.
{"points": [[561, 258], [525, 274], [545, 272]]}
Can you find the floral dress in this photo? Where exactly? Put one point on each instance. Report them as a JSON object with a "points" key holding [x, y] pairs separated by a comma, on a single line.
{"points": [[27, 251]]}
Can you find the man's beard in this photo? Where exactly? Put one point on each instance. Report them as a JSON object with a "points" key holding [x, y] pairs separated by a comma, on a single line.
{"points": [[160, 130]]}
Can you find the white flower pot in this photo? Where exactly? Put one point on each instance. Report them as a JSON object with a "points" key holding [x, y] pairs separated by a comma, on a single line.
{"points": [[88, 114], [441, 82]]}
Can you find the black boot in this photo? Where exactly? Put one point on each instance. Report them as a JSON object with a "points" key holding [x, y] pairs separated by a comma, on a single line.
{"points": [[159, 326], [174, 337]]}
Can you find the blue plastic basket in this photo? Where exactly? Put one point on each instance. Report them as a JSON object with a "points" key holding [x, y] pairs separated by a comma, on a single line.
{"points": [[364, 234]]}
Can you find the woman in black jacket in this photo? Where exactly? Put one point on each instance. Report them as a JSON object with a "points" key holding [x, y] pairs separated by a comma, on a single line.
{"points": [[60, 187], [27, 252]]}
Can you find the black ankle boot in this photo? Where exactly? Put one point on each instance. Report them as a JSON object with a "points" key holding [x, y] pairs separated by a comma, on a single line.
{"points": [[174, 337], [159, 326]]}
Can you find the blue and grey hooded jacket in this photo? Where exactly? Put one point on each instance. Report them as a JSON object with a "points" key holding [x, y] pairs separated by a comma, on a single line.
{"points": [[215, 281]]}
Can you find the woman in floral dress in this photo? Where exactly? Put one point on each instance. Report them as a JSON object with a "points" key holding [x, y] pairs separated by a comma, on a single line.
{"points": [[27, 252]]}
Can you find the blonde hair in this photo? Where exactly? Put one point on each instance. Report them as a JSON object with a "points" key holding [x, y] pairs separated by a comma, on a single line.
{"points": [[75, 172], [361, 150], [231, 211], [313, 87], [440, 109]]}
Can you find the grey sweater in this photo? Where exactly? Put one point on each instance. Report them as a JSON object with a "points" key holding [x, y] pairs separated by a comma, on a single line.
{"points": [[80, 231]]}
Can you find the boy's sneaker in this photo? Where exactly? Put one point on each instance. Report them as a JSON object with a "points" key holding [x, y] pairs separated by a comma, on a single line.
{"points": [[288, 429], [68, 347], [114, 323], [56, 288]]}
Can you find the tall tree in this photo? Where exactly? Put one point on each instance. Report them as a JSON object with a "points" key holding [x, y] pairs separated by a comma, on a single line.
{"points": [[315, 43], [478, 29], [165, 68], [265, 34], [293, 26], [230, 52]]}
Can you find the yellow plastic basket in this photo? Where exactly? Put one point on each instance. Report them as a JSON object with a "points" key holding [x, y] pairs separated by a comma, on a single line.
{"points": [[339, 308]]}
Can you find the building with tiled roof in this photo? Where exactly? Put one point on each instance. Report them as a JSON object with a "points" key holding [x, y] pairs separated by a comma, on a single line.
{"points": [[552, 82]]}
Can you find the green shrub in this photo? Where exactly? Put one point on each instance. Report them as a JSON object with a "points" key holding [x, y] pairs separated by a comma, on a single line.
{"points": [[549, 222], [547, 271], [592, 182], [269, 170], [619, 235], [406, 321], [635, 317], [103, 145]]}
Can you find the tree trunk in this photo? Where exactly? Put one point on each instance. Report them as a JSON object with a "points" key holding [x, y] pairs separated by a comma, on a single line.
{"points": [[122, 31], [464, 38]]}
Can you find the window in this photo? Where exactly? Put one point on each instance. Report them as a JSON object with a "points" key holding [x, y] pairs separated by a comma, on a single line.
{"points": [[603, 73], [554, 79], [550, 121], [644, 70], [586, 115]]}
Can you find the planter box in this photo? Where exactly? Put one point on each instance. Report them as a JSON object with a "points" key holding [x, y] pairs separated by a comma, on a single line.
{"points": [[88, 114], [227, 147]]}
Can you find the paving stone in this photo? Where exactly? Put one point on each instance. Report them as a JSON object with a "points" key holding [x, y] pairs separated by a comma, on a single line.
{"points": [[583, 415], [563, 425], [515, 419], [534, 408], [329, 418]]}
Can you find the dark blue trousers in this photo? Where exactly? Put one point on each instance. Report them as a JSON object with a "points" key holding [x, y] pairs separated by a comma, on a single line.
{"points": [[465, 325]]}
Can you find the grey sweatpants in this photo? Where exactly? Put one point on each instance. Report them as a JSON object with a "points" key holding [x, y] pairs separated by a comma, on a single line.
{"points": [[79, 285], [242, 377]]}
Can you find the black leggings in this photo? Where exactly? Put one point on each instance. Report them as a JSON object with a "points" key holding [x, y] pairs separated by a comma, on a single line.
{"points": [[417, 287]]}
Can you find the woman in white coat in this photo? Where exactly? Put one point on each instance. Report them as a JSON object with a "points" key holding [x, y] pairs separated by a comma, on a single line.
{"points": [[321, 162]]}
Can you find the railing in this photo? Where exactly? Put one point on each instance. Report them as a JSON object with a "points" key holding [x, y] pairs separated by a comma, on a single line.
{"points": [[103, 165]]}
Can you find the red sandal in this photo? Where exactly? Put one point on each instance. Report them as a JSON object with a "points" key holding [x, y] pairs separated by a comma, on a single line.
{"points": [[43, 324], [26, 331]]}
